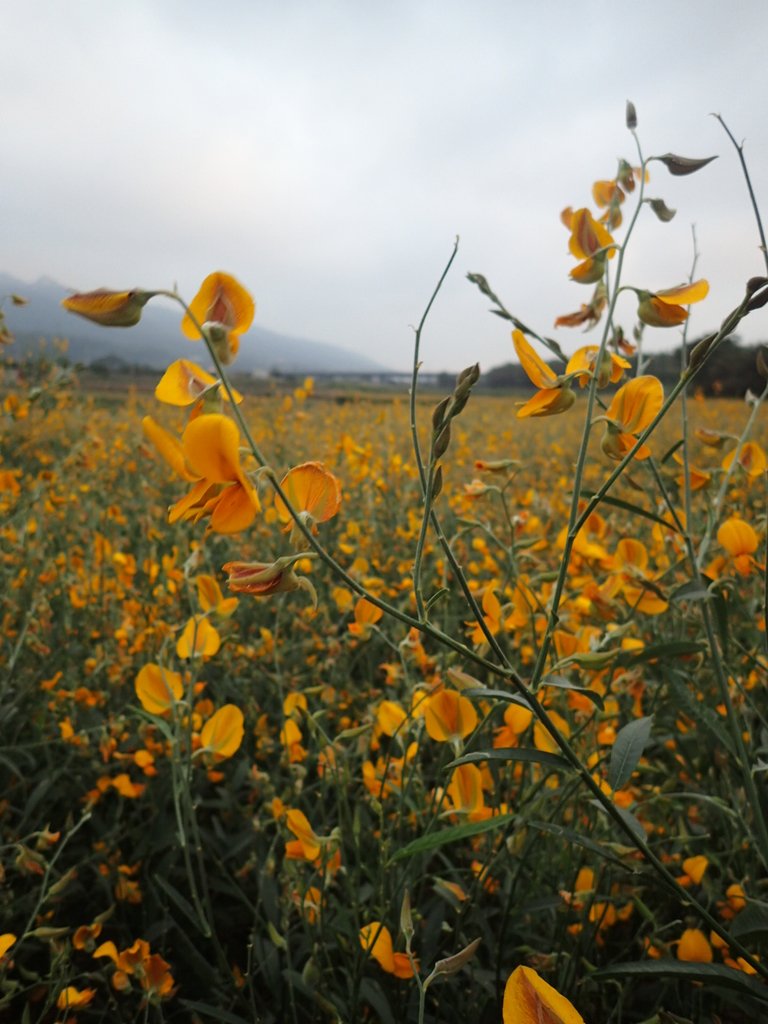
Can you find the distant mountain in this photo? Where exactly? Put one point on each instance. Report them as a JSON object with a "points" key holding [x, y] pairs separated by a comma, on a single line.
{"points": [[157, 339]]}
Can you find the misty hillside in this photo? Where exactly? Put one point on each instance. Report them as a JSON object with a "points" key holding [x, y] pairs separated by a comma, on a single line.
{"points": [[157, 340]]}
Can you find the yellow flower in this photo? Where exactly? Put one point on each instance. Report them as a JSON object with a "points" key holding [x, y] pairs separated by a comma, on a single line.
{"points": [[223, 308], [158, 688], [634, 407], [751, 459], [222, 734], [589, 237], [740, 541], [449, 716], [665, 308], [71, 998], [211, 449], [183, 383], [552, 397], [312, 491], [528, 999], [584, 359], [694, 947], [199, 639]]}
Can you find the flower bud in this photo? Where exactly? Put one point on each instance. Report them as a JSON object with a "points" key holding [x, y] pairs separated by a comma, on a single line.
{"points": [[108, 308], [452, 964], [631, 116]]}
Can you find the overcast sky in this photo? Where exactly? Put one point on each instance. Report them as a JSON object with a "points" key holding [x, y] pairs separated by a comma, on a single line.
{"points": [[327, 153]]}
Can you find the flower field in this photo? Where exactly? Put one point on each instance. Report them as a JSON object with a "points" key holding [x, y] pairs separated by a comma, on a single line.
{"points": [[385, 709]]}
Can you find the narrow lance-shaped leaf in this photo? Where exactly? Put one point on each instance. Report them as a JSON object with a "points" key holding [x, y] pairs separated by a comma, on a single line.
{"points": [[627, 750]]}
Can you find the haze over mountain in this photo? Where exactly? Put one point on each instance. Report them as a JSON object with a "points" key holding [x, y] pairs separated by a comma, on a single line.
{"points": [[157, 339]]}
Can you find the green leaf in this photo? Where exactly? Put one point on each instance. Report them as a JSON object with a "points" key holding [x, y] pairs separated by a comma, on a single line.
{"points": [[434, 840], [693, 590], [708, 973], [503, 695], [566, 684], [373, 994], [575, 839], [752, 920], [627, 506], [180, 902], [627, 750], [700, 712], [672, 649], [512, 754], [627, 817], [213, 1012]]}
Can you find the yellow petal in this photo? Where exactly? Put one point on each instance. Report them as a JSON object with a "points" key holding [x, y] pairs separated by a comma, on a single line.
{"points": [[310, 488], [199, 639], [539, 373], [448, 716], [168, 446], [684, 294], [737, 537], [695, 867], [235, 509], [376, 939], [184, 382], [528, 999], [751, 459], [694, 947], [222, 734], [211, 445], [221, 300], [588, 236], [636, 404], [548, 402], [158, 688]]}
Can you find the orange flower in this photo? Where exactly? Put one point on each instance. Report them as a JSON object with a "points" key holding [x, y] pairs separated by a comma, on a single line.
{"points": [[108, 308], [376, 939], [314, 493], [665, 308], [633, 408], [528, 999], [307, 844], [366, 615], [224, 309], [261, 579], [740, 541]]}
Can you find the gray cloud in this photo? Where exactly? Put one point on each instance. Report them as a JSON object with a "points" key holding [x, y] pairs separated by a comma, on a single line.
{"points": [[327, 154]]}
